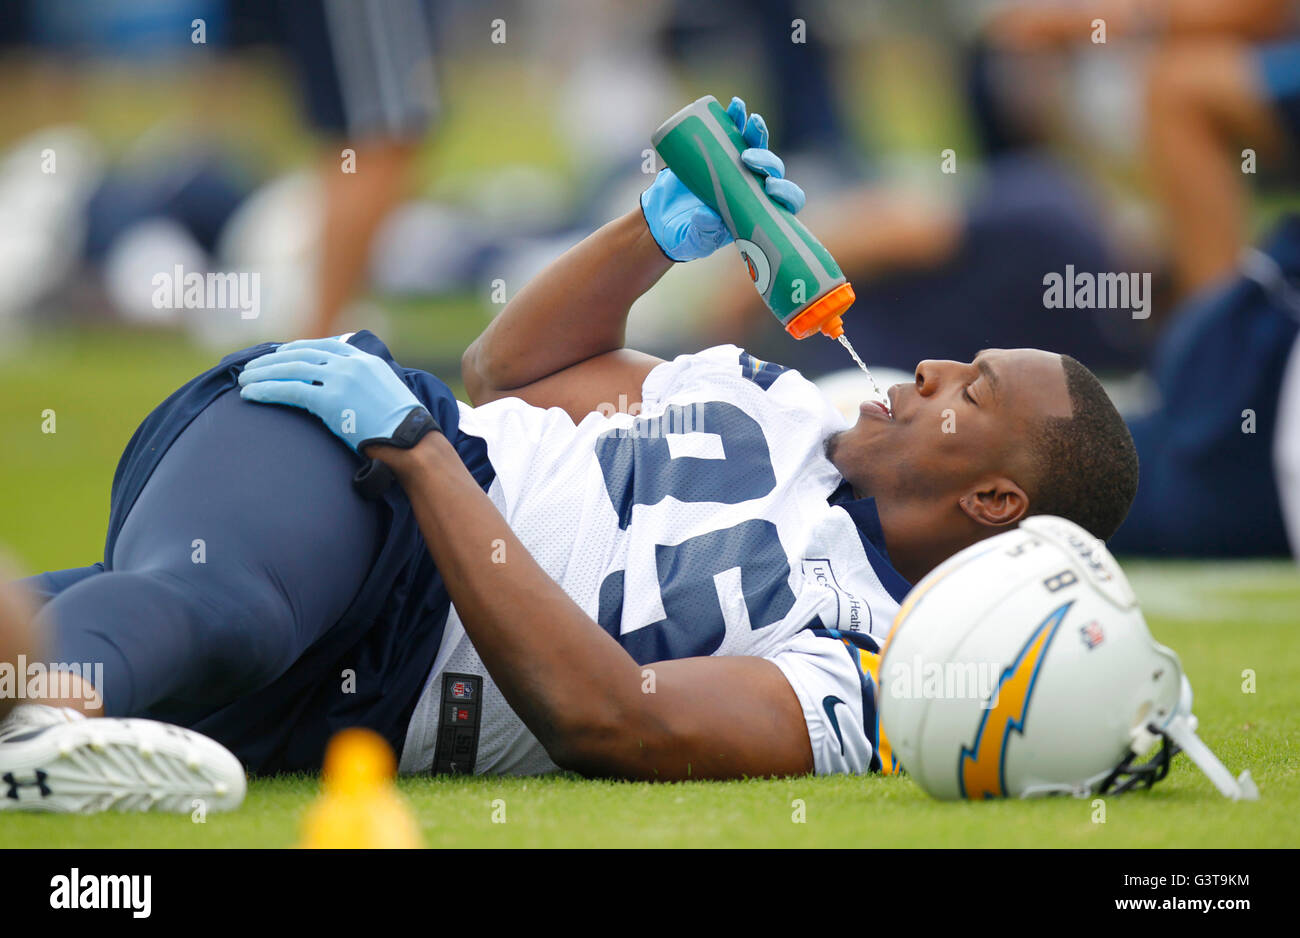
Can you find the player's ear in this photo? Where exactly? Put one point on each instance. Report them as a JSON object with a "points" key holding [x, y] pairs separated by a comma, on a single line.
{"points": [[996, 502]]}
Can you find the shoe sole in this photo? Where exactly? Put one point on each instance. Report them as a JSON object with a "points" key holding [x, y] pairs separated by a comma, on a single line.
{"points": [[131, 765]]}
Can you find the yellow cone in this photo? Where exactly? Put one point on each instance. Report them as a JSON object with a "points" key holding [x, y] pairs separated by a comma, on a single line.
{"points": [[359, 807]]}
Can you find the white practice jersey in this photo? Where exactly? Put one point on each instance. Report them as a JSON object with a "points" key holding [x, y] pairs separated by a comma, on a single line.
{"points": [[699, 526]]}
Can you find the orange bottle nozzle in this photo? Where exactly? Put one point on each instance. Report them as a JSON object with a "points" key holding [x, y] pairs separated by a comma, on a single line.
{"points": [[823, 314]]}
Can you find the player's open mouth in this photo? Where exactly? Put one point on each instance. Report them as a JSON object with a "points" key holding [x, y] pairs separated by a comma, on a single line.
{"points": [[876, 409]]}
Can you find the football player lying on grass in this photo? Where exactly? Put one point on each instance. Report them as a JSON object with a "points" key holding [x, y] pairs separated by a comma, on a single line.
{"points": [[678, 591]]}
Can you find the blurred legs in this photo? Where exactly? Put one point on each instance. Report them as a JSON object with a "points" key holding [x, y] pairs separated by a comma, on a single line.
{"points": [[1205, 103]]}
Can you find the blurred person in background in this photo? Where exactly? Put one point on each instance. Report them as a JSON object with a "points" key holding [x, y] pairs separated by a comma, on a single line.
{"points": [[366, 75], [182, 192], [1219, 444], [1223, 76], [785, 41]]}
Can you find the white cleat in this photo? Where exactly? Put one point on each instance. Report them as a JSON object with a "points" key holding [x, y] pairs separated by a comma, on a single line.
{"points": [[26, 717], [57, 760]]}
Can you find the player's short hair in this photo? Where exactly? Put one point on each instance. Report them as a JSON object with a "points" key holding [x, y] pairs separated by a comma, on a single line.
{"points": [[1086, 466]]}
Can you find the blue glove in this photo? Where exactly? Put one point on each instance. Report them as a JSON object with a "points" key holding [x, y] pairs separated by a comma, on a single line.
{"points": [[358, 396], [684, 227]]}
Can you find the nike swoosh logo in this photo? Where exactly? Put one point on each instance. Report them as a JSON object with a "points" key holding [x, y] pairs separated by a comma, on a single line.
{"points": [[828, 704]]}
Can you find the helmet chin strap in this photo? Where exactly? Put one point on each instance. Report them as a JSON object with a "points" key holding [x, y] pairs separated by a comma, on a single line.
{"points": [[1182, 730]]}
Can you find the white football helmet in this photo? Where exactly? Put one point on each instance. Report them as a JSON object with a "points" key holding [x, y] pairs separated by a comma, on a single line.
{"points": [[1022, 666]]}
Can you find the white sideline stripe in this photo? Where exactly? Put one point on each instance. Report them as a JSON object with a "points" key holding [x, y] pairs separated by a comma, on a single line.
{"points": [[1196, 591]]}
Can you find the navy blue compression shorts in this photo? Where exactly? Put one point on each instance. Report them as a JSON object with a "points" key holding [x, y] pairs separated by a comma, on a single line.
{"points": [[247, 590]]}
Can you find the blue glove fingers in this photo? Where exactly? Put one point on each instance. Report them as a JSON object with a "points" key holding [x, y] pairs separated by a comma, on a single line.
{"points": [[294, 393], [736, 111], [331, 344], [755, 132], [283, 371], [314, 356], [763, 162], [787, 193], [768, 164]]}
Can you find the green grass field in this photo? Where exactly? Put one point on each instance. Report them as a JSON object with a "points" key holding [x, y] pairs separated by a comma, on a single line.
{"points": [[1223, 620]]}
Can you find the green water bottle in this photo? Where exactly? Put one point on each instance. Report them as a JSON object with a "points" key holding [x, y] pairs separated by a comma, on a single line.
{"points": [[796, 277]]}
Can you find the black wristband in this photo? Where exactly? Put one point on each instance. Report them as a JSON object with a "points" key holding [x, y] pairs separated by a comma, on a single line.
{"points": [[410, 431], [374, 478]]}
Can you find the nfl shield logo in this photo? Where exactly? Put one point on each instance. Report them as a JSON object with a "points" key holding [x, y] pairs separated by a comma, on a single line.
{"points": [[461, 690], [1092, 634]]}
